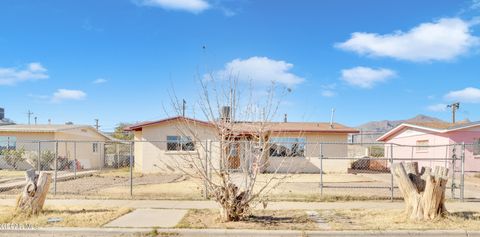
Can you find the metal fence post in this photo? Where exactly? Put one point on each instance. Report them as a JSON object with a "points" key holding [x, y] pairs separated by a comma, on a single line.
{"points": [[454, 157], [206, 170], [210, 160], [39, 156], [321, 169], [131, 169], [55, 161], [391, 174], [462, 177], [116, 157], [75, 159]]}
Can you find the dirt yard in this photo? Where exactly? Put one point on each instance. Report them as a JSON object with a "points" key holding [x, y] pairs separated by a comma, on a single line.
{"points": [[106, 184], [267, 220], [68, 216], [357, 219], [361, 219], [115, 184]]}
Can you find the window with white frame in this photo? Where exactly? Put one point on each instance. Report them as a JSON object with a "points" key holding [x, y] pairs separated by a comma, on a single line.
{"points": [[8, 142], [95, 147], [287, 146], [476, 147], [180, 143], [422, 146]]}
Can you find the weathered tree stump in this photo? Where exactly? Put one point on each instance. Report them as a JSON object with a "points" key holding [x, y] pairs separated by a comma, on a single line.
{"points": [[232, 201], [423, 192], [33, 196]]}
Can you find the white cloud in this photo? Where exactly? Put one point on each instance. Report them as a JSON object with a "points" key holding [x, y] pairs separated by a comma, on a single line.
{"points": [[328, 90], [258, 69], [228, 12], [442, 40], [328, 93], [194, 6], [467, 95], [365, 77], [437, 107], [12, 76], [100, 81], [64, 94], [475, 5]]}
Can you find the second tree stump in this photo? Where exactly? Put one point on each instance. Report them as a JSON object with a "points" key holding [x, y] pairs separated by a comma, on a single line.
{"points": [[424, 191]]}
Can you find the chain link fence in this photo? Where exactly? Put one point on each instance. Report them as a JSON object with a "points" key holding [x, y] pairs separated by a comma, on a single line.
{"points": [[154, 169]]}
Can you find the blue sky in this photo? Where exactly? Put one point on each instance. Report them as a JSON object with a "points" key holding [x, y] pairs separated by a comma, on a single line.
{"points": [[116, 60]]}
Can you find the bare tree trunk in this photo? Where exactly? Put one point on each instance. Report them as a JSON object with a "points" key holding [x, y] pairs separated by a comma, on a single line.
{"points": [[423, 192], [234, 204], [33, 197]]}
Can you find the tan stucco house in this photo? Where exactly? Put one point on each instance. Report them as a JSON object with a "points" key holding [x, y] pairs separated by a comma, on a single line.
{"points": [[159, 144], [69, 141]]}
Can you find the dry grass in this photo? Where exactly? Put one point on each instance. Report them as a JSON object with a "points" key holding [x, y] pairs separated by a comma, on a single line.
{"points": [[120, 172], [11, 173], [183, 190], [298, 197], [264, 219], [71, 216], [114, 184], [315, 178], [360, 219], [356, 219]]}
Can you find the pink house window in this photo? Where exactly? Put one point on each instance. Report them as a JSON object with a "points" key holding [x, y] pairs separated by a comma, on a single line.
{"points": [[422, 146]]}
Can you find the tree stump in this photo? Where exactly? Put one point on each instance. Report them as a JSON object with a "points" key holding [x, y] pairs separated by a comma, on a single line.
{"points": [[232, 201], [33, 196], [423, 192]]}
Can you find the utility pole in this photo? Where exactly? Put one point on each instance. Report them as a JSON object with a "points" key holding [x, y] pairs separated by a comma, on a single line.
{"points": [[35, 120], [455, 107], [49, 121], [184, 107], [29, 114], [96, 124]]}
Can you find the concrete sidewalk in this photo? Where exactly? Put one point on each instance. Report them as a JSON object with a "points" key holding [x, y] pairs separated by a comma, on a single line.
{"points": [[67, 231], [177, 204]]}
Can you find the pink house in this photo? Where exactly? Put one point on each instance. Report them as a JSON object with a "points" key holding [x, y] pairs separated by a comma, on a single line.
{"points": [[435, 140]]}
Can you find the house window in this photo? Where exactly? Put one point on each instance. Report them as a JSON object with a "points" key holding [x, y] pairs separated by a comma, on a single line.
{"points": [[180, 143], [422, 146], [476, 147], [287, 146], [95, 147], [8, 142]]}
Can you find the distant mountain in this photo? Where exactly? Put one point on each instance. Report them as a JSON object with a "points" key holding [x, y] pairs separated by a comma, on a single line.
{"points": [[386, 125]]}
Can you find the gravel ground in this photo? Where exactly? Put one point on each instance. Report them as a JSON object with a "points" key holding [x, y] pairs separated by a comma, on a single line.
{"points": [[93, 185], [174, 186]]}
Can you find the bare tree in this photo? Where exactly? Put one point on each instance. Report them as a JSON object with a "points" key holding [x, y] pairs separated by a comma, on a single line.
{"points": [[240, 120]]}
